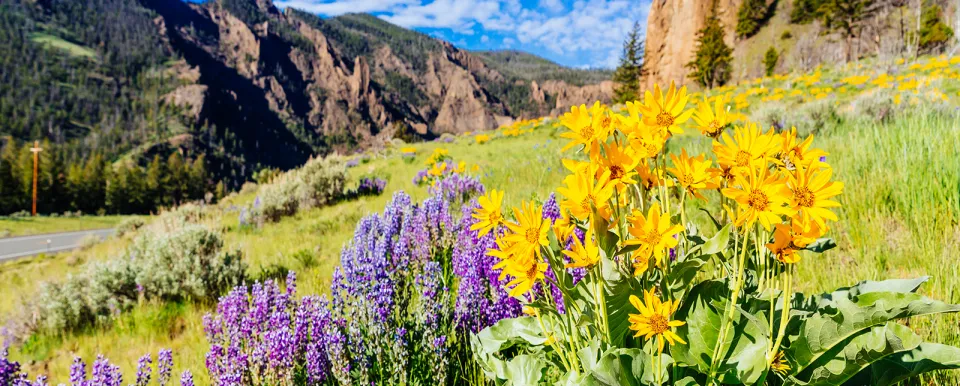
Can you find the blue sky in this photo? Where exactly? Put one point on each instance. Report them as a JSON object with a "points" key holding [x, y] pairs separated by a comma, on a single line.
{"points": [[577, 33]]}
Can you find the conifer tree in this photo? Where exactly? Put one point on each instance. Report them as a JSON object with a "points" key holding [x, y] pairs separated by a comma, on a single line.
{"points": [[711, 64], [934, 33], [629, 71], [750, 17], [11, 193], [176, 180], [770, 60], [198, 178], [155, 188]]}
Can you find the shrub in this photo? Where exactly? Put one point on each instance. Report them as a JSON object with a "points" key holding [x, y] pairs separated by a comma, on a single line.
{"points": [[370, 186], [877, 105], [786, 35], [770, 60], [89, 241], [129, 226], [319, 182], [750, 17], [184, 265]]}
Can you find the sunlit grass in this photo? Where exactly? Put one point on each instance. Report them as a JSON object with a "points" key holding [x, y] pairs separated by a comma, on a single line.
{"points": [[11, 227]]}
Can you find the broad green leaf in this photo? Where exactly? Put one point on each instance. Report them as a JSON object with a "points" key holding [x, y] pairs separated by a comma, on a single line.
{"points": [[814, 302], [629, 366], [717, 243], [855, 354], [907, 364], [507, 332], [687, 381], [841, 318], [744, 355], [525, 370], [821, 245], [619, 309]]}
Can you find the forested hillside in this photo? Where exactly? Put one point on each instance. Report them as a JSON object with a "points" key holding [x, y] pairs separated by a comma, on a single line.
{"points": [[237, 85]]}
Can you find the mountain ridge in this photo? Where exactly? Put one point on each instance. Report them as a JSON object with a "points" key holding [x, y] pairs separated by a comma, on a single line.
{"points": [[254, 86]]}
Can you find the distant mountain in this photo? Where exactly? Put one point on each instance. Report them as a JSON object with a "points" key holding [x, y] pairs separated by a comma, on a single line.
{"points": [[527, 66], [252, 86]]}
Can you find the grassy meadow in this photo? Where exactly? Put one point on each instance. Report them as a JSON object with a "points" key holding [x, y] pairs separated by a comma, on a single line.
{"points": [[899, 160]]}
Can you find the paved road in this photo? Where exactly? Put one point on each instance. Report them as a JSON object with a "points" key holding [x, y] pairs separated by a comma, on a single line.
{"points": [[13, 248]]}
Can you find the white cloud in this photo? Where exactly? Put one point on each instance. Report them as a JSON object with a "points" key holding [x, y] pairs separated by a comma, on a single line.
{"points": [[551, 5], [589, 31]]}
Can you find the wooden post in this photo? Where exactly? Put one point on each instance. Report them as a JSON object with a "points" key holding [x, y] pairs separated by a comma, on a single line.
{"points": [[36, 162]]}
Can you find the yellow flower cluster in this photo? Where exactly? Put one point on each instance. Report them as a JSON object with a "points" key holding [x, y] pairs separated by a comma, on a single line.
{"points": [[627, 184]]}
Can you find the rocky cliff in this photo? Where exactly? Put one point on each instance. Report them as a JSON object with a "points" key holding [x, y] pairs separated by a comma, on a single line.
{"points": [[298, 84], [671, 35]]}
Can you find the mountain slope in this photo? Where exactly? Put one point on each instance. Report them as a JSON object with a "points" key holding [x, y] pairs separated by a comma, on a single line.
{"points": [[252, 86]]}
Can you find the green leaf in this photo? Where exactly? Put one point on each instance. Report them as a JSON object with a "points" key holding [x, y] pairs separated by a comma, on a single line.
{"points": [[841, 318], [687, 381], [812, 303], [744, 357], [508, 332], [619, 308], [628, 366], [907, 364], [821, 245], [855, 354], [525, 370], [717, 243]]}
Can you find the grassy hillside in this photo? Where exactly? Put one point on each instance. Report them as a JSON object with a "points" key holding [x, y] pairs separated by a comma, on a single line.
{"points": [[892, 141]]}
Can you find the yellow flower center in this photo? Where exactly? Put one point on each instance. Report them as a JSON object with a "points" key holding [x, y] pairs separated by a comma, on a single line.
{"points": [[658, 324], [533, 235], [797, 153], [743, 158], [605, 121], [664, 119], [714, 126], [653, 237], [586, 132], [804, 197], [616, 172], [532, 271], [686, 180], [495, 217], [758, 200], [585, 203]]}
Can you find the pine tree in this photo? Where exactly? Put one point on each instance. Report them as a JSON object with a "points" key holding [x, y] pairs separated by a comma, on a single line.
{"points": [[177, 178], [95, 176], [155, 189], [75, 186], [770, 60], [711, 65], [804, 11], [629, 71], [198, 178], [750, 17], [11, 193], [934, 33]]}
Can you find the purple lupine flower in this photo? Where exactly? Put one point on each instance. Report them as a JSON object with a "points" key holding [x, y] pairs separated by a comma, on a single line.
{"points": [[164, 366], [823, 158], [144, 370], [9, 371], [78, 372], [186, 379], [371, 186], [457, 188], [551, 209], [481, 297]]}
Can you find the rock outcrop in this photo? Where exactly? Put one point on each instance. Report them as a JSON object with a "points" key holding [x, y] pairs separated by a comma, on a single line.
{"points": [[277, 79], [672, 32]]}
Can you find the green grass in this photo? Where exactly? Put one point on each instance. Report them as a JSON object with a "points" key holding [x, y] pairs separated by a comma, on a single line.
{"points": [[59, 43], [900, 219], [26, 226]]}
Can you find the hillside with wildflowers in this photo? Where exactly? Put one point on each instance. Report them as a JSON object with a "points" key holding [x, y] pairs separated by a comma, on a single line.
{"points": [[417, 264]]}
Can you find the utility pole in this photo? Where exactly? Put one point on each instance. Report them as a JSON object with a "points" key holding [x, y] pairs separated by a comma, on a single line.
{"points": [[36, 162]]}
